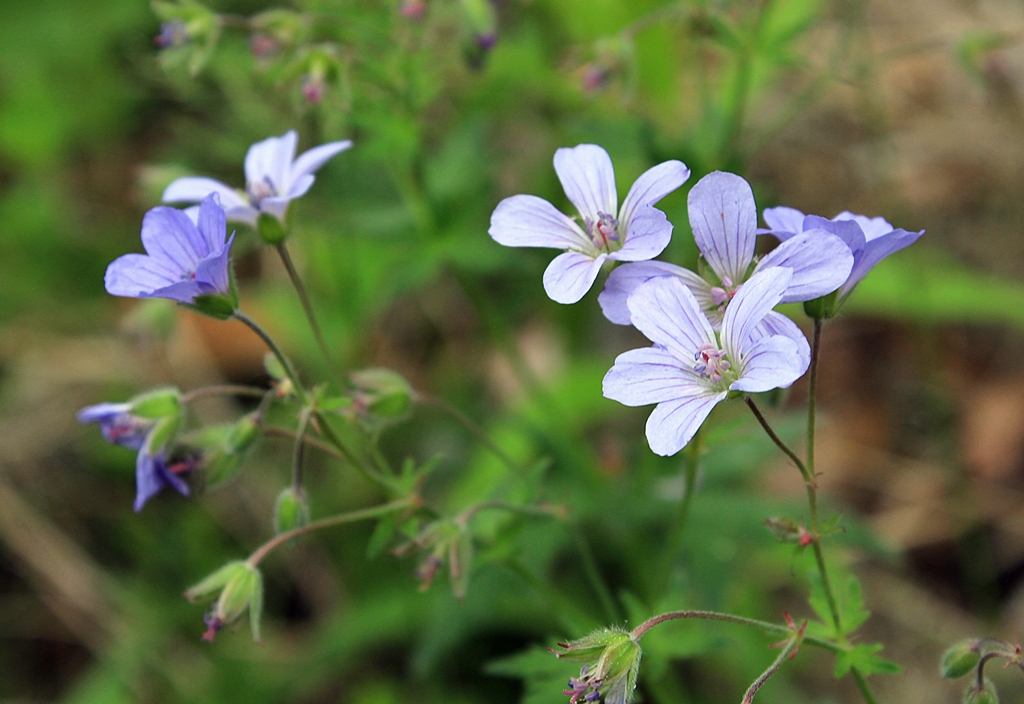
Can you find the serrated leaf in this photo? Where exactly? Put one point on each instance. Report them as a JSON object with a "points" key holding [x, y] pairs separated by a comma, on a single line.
{"points": [[852, 611], [864, 659]]}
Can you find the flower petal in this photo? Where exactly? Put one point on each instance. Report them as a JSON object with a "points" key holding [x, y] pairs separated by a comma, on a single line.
{"points": [[820, 262], [770, 363], [672, 424], [170, 235], [782, 222], [872, 227], [653, 185], [666, 312], [846, 230], [148, 478], [649, 375], [648, 234], [276, 206], [213, 271], [625, 278], [246, 214], [272, 159], [211, 224], [875, 251], [724, 222], [300, 186], [101, 412], [776, 323], [310, 161], [181, 291], [570, 275], [529, 221], [753, 301], [192, 189], [132, 275], [588, 179]]}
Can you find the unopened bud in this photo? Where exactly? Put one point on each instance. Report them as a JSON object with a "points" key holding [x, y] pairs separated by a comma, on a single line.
{"points": [[960, 659], [158, 403], [383, 394], [613, 659], [985, 694], [241, 587], [291, 510]]}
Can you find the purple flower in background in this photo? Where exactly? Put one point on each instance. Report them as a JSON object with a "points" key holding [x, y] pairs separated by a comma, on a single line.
{"points": [[635, 232], [184, 259], [273, 178], [687, 371], [120, 427], [870, 239]]}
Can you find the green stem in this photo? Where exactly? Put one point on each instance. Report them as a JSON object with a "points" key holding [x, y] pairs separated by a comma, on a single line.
{"points": [[351, 517], [787, 652], [368, 472], [470, 425], [313, 442], [808, 478], [300, 446], [675, 535], [281, 357], [863, 686], [765, 626], [611, 612], [544, 511], [307, 307]]}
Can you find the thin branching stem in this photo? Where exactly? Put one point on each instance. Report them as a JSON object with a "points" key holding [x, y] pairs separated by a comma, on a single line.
{"points": [[787, 653], [297, 454], [293, 376], [765, 626], [471, 426], [222, 390]]}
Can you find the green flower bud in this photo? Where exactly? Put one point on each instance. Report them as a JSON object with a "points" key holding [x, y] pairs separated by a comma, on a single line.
{"points": [[158, 403], [986, 694], [382, 394], [291, 510], [241, 587], [613, 659], [960, 659]]}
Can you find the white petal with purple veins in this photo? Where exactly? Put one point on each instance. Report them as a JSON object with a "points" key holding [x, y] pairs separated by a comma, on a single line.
{"points": [[271, 160], [308, 162], [875, 251], [666, 312], [570, 275], [724, 222], [673, 424], [872, 227], [783, 222], [529, 221], [133, 274], [169, 234], [625, 278], [588, 180], [770, 363], [211, 225], [648, 235], [649, 375], [755, 299], [820, 262], [300, 186], [776, 323], [653, 185], [192, 189]]}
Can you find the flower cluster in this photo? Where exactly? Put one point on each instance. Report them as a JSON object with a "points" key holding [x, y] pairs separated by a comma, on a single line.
{"points": [[715, 333]]}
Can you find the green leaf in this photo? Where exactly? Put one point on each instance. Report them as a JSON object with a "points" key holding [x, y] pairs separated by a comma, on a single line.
{"points": [[382, 535], [864, 659], [851, 610]]}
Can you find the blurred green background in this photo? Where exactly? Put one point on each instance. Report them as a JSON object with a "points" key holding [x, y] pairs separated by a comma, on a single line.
{"points": [[908, 110]]}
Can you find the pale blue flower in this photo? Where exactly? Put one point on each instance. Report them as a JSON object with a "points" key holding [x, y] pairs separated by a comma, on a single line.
{"points": [[870, 239], [635, 232], [690, 369], [184, 259], [273, 178]]}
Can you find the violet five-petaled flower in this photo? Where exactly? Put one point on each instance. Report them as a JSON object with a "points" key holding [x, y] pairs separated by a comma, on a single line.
{"points": [[724, 222], [635, 232], [273, 178], [870, 239], [184, 259], [120, 427], [690, 369]]}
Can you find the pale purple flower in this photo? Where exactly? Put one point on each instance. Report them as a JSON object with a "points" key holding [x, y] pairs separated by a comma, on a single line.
{"points": [[870, 239], [120, 427], [184, 259], [273, 178], [688, 370], [635, 232]]}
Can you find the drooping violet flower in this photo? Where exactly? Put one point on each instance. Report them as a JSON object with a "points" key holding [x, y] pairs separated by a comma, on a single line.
{"points": [[635, 232], [121, 427], [184, 259], [688, 370], [870, 239], [724, 222], [273, 178]]}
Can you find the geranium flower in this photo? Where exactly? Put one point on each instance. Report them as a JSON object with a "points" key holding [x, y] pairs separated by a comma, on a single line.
{"points": [[870, 239], [635, 232], [724, 222], [121, 427], [273, 178], [690, 369], [184, 259]]}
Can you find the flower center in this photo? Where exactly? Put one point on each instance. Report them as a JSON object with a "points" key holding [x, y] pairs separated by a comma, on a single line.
{"points": [[711, 363], [604, 231], [584, 688], [258, 190]]}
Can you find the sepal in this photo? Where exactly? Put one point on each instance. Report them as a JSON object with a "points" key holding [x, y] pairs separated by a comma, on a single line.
{"points": [[291, 510]]}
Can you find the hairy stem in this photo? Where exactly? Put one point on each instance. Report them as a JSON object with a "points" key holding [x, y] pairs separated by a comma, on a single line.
{"points": [[222, 390], [351, 517], [300, 446], [765, 626], [281, 357], [787, 652], [300, 289]]}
